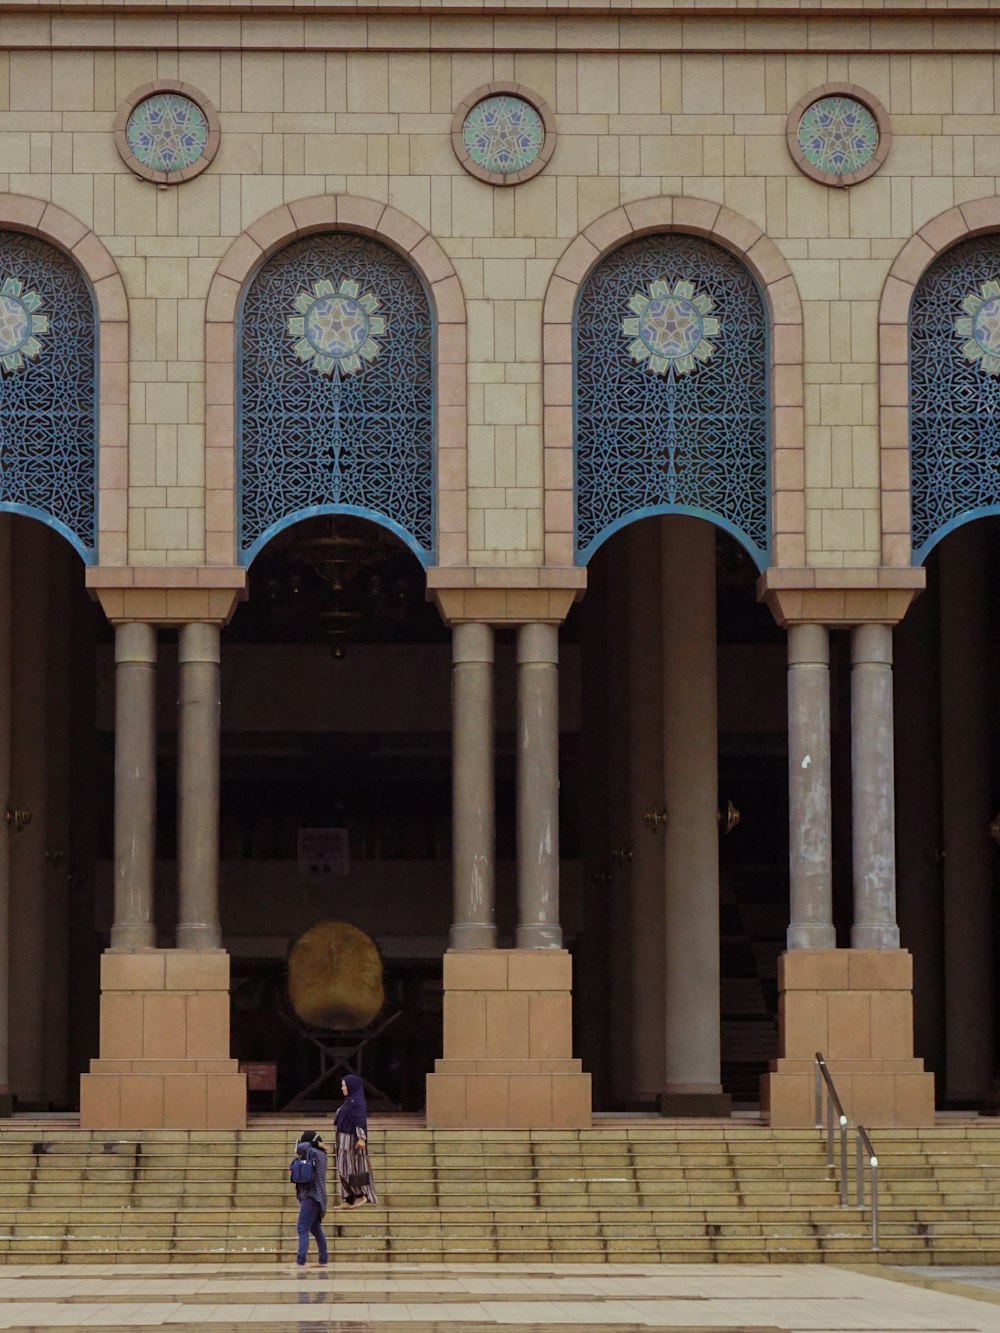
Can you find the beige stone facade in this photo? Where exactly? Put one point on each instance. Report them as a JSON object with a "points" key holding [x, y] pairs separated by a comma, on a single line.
{"points": [[692, 108], [661, 117]]}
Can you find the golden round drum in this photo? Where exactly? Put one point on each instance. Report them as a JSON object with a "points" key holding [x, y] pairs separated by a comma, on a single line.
{"points": [[335, 976]]}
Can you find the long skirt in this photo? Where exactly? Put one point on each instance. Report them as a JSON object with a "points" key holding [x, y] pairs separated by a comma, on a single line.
{"points": [[352, 1160]]}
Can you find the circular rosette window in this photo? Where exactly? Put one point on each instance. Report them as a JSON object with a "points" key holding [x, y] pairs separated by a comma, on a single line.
{"points": [[503, 134], [336, 329], [20, 324], [671, 328], [979, 327], [167, 132], [839, 134]]}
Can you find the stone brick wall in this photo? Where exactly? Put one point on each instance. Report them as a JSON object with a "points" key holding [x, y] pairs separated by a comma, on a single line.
{"points": [[363, 105]]}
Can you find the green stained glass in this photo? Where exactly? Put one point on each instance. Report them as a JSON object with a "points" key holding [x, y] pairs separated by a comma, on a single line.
{"points": [[838, 135], [503, 134], [167, 132]]}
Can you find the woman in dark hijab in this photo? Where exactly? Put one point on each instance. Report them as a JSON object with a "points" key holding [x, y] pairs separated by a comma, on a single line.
{"points": [[353, 1164]]}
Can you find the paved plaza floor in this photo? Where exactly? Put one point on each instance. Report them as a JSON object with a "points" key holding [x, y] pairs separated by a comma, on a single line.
{"points": [[358, 1298]]}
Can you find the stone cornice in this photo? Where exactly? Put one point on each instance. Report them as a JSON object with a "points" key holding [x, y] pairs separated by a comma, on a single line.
{"points": [[744, 10], [524, 26]]}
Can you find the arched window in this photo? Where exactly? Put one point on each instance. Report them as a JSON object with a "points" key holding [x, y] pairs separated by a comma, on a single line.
{"points": [[336, 392], [48, 390], [672, 396], [955, 392]]}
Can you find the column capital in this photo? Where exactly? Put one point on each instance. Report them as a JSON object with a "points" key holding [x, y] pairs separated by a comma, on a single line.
{"points": [[200, 641], [538, 643], [840, 598], [135, 642], [871, 645], [502, 596], [808, 645], [472, 641]]}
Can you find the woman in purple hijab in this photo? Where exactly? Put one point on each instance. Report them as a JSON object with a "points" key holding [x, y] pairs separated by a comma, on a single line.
{"points": [[353, 1164]]}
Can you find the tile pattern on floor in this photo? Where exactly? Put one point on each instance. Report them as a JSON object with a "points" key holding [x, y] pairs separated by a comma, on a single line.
{"points": [[366, 1298]]}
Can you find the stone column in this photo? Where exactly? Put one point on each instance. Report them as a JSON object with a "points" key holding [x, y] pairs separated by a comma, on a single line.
{"points": [[690, 731], [63, 573], [645, 785], [198, 787], [873, 803], [621, 1010], [591, 1002], [538, 786], [28, 793], [966, 809], [5, 793], [919, 837], [135, 786], [809, 827], [472, 788]]}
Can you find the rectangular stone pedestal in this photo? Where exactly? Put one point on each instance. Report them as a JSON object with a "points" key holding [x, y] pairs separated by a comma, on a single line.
{"points": [[855, 1007], [508, 1043], [164, 1061]]}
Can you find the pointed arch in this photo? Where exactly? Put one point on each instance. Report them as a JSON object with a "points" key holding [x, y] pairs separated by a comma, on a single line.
{"points": [[73, 238], [262, 240], [767, 265]]}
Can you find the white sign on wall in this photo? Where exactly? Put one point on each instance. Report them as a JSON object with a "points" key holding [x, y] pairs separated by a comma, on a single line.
{"points": [[323, 852]]}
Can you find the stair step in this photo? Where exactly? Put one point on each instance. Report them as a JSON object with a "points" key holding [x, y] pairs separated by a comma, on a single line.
{"points": [[658, 1192]]}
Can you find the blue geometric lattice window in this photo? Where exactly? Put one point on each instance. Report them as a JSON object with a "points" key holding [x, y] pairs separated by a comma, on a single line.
{"points": [[955, 392], [336, 392], [672, 401], [48, 390]]}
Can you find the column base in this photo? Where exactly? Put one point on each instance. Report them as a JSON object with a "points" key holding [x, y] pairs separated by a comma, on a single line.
{"points": [[472, 935], [874, 937], [508, 1060], [681, 1105], [811, 937], [128, 938], [199, 938], [539, 936], [855, 1007], [164, 1061]]}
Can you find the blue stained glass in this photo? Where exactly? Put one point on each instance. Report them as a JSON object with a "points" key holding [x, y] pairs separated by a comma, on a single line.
{"points": [[503, 134], [955, 391], [672, 402], [167, 132], [838, 135], [336, 391], [48, 389]]}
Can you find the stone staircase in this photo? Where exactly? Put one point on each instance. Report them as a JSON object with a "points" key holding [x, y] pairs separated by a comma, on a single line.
{"points": [[642, 1191]]}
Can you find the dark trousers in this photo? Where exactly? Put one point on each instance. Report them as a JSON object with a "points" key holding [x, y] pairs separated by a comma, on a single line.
{"points": [[310, 1223]]}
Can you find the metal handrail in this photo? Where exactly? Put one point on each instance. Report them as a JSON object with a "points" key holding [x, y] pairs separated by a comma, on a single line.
{"points": [[823, 1076], [864, 1148], [863, 1145]]}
